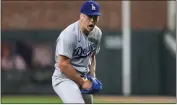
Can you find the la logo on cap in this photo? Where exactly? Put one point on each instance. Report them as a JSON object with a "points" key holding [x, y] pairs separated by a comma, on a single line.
{"points": [[93, 7]]}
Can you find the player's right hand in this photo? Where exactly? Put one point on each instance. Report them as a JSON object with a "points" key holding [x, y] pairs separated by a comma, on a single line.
{"points": [[87, 84]]}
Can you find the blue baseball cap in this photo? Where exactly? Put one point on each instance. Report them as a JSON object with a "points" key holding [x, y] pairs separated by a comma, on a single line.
{"points": [[90, 8]]}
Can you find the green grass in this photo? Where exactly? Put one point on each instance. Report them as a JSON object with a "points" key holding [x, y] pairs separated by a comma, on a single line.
{"points": [[30, 99], [38, 100]]}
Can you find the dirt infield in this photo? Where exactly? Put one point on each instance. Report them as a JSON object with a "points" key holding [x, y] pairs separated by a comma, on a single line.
{"points": [[137, 99]]}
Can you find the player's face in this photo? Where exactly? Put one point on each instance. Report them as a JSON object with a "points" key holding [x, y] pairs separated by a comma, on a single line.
{"points": [[89, 22]]}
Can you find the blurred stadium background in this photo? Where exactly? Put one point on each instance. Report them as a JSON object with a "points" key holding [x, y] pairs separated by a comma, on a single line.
{"points": [[30, 29]]}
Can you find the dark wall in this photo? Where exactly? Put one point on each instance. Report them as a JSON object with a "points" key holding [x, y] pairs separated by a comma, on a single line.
{"points": [[168, 71], [145, 62], [153, 68]]}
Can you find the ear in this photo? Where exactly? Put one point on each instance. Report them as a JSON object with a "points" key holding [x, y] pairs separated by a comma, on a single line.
{"points": [[81, 16]]}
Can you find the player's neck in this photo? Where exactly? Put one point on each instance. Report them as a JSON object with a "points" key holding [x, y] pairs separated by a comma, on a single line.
{"points": [[85, 32]]}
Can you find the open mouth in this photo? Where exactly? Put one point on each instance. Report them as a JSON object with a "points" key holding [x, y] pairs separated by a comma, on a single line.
{"points": [[91, 26]]}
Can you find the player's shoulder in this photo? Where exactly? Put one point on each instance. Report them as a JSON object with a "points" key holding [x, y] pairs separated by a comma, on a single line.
{"points": [[97, 32], [69, 31]]}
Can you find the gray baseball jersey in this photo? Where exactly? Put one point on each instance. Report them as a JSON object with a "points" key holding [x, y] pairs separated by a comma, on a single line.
{"points": [[75, 45]]}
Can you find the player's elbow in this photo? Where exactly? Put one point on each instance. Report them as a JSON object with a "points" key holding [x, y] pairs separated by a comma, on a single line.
{"points": [[63, 65]]}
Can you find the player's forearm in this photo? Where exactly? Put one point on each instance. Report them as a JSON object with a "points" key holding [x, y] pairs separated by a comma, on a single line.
{"points": [[70, 72], [93, 66]]}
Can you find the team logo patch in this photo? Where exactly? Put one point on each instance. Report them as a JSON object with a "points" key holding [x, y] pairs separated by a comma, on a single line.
{"points": [[79, 52]]}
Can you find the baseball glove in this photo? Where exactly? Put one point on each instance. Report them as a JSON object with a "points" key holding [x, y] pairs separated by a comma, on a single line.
{"points": [[96, 86]]}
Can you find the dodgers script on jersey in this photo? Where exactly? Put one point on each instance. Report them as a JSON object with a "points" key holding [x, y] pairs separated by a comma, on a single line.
{"points": [[78, 47]]}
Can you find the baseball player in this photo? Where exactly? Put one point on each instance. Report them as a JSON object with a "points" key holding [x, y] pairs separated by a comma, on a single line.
{"points": [[74, 78]]}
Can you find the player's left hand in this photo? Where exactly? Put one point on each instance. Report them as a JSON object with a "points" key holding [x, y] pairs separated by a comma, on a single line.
{"points": [[96, 86], [87, 84]]}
